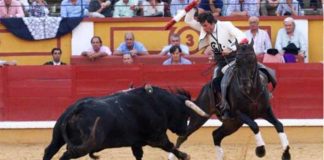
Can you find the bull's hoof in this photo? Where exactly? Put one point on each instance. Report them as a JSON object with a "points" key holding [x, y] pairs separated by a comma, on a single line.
{"points": [[286, 154], [260, 151]]}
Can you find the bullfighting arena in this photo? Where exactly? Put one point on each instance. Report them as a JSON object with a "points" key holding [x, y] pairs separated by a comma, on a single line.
{"points": [[306, 144]]}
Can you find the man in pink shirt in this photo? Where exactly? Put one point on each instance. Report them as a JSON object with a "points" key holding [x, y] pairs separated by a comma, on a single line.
{"points": [[97, 50], [10, 9]]}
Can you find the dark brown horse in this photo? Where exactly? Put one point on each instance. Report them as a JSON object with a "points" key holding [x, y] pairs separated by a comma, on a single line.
{"points": [[248, 96]]}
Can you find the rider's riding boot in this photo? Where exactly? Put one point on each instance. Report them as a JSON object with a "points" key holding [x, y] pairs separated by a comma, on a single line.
{"points": [[217, 83]]}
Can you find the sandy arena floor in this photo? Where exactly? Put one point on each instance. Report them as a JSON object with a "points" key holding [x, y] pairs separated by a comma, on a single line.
{"points": [[306, 144]]}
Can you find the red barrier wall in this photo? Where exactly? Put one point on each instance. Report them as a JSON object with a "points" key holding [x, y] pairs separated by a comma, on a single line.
{"points": [[30, 93]]}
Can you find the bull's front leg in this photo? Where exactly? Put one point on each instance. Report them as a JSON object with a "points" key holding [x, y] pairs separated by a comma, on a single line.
{"points": [[164, 143]]}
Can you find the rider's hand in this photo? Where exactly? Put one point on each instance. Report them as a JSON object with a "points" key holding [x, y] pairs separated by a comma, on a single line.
{"points": [[244, 41]]}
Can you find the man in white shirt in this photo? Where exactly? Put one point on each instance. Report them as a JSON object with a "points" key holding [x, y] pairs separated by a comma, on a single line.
{"points": [[288, 35], [260, 38], [97, 50], [125, 8]]}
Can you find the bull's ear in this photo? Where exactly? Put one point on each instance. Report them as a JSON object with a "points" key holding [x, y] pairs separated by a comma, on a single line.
{"points": [[252, 42]]}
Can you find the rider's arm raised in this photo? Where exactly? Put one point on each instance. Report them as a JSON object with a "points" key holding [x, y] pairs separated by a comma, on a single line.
{"points": [[190, 20]]}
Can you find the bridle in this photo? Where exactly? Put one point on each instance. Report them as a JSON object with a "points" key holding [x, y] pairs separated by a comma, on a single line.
{"points": [[254, 79]]}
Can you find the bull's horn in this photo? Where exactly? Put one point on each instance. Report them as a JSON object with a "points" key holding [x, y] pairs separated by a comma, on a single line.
{"points": [[194, 107]]}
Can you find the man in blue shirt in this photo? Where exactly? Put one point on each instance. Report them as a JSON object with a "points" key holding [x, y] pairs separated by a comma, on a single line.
{"points": [[213, 6], [130, 46], [74, 8]]}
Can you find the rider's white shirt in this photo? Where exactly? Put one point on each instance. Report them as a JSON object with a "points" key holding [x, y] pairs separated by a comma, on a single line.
{"points": [[225, 32]]}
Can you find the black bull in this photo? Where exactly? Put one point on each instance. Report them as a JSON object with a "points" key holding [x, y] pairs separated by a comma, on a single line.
{"points": [[134, 118]]}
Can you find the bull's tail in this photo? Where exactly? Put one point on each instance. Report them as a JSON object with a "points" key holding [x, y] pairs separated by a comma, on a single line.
{"points": [[86, 146]]}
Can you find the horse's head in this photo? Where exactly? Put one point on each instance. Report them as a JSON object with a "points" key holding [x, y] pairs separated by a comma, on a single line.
{"points": [[246, 65]]}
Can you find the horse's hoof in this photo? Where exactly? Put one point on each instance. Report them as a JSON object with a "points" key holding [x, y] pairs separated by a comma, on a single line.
{"points": [[171, 156], [187, 157], [286, 154], [260, 151]]}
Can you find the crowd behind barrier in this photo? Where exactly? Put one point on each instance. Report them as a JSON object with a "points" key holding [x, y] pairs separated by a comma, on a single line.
{"points": [[156, 8]]}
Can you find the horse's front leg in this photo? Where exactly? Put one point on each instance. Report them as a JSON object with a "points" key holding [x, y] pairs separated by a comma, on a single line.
{"points": [[259, 150], [228, 127], [270, 117]]}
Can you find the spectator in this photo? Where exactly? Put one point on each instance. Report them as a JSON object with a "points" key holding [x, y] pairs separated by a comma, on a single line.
{"points": [[224, 8], [288, 8], [125, 8], [175, 41], [178, 5], [269, 7], [153, 8], [243, 8], [7, 63], [130, 46], [97, 50], [74, 8], [288, 35], [100, 8], [25, 6], [10, 9], [176, 57], [38, 8], [213, 6], [128, 59], [56, 54], [291, 53], [273, 56], [301, 3], [315, 4], [260, 38]]}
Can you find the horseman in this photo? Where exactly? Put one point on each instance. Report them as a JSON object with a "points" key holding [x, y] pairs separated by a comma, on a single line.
{"points": [[220, 37]]}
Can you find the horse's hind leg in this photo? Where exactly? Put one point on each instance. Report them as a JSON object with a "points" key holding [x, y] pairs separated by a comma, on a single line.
{"points": [[270, 117], [228, 127], [164, 143], [194, 124], [137, 152], [259, 150]]}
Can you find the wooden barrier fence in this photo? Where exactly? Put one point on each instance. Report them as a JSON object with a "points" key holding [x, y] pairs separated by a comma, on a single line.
{"points": [[41, 93]]}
